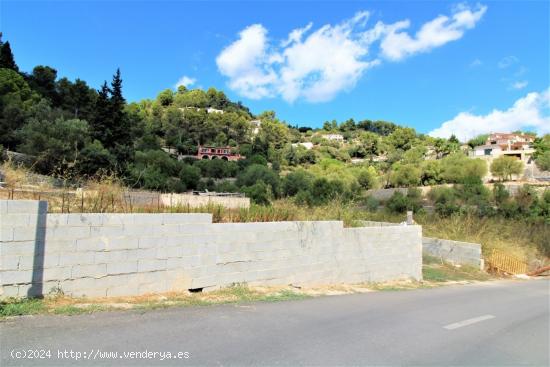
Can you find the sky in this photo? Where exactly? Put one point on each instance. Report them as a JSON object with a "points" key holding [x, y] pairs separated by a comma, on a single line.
{"points": [[441, 67]]}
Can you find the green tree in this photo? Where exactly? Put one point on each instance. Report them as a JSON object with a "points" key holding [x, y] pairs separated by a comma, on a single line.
{"points": [[543, 161], [111, 124], [55, 144], [542, 152], [402, 138], [504, 167], [76, 98], [478, 140], [294, 182], [457, 167], [42, 80], [7, 60], [255, 173], [16, 98], [367, 178], [405, 175], [260, 193]]}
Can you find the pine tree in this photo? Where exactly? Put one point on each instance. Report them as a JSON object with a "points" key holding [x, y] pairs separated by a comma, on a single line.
{"points": [[121, 131], [6, 56], [101, 122]]}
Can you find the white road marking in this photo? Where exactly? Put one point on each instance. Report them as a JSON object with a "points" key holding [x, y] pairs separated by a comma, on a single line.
{"points": [[456, 325]]}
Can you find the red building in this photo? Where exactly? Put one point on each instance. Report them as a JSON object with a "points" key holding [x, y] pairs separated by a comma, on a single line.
{"points": [[224, 153]]}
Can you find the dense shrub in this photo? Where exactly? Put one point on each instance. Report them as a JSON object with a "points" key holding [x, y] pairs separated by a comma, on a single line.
{"points": [[217, 168], [400, 203], [456, 168], [255, 173], [260, 193], [323, 190], [405, 175], [294, 182]]}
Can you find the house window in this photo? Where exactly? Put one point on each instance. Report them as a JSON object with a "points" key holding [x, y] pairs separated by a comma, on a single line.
{"points": [[487, 151]]}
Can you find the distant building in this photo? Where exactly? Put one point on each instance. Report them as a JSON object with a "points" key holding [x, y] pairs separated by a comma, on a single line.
{"points": [[207, 152], [208, 110], [213, 110], [358, 160], [334, 137], [256, 126], [307, 145], [513, 145], [519, 146]]}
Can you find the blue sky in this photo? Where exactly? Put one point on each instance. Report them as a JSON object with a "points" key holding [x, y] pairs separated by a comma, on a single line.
{"points": [[441, 67]]}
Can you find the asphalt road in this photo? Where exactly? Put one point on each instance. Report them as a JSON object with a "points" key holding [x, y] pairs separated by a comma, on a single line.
{"points": [[493, 323]]}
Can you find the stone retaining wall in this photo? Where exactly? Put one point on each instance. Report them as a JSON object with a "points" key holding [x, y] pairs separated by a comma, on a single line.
{"points": [[455, 252], [132, 254]]}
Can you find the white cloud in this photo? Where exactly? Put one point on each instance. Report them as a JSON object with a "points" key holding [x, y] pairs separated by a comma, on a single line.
{"points": [[475, 63], [316, 65], [520, 84], [326, 62], [435, 33], [507, 61], [186, 81], [247, 63], [531, 112]]}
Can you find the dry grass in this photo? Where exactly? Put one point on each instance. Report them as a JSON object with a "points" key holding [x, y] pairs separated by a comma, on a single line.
{"points": [[518, 238]]}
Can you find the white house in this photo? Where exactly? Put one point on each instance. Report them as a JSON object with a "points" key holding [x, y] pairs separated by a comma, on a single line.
{"points": [[513, 145], [213, 110], [256, 126], [334, 137], [308, 145], [519, 146]]}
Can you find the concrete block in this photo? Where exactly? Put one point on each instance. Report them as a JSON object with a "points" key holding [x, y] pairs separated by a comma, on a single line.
{"points": [[180, 218], [49, 220], [16, 276], [83, 220], [106, 257], [204, 282], [16, 220], [8, 291], [149, 242], [89, 271], [92, 244], [79, 258], [169, 252], [26, 206], [63, 246], [28, 234], [122, 267], [12, 262], [107, 231], [118, 219], [25, 248], [142, 254], [66, 232], [186, 262], [148, 219], [151, 265], [3, 207], [57, 274], [6, 233], [121, 243], [193, 228], [50, 260]]}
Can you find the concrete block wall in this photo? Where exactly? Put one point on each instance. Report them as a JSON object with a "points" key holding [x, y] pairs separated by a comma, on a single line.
{"points": [[455, 252], [131, 254]]}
